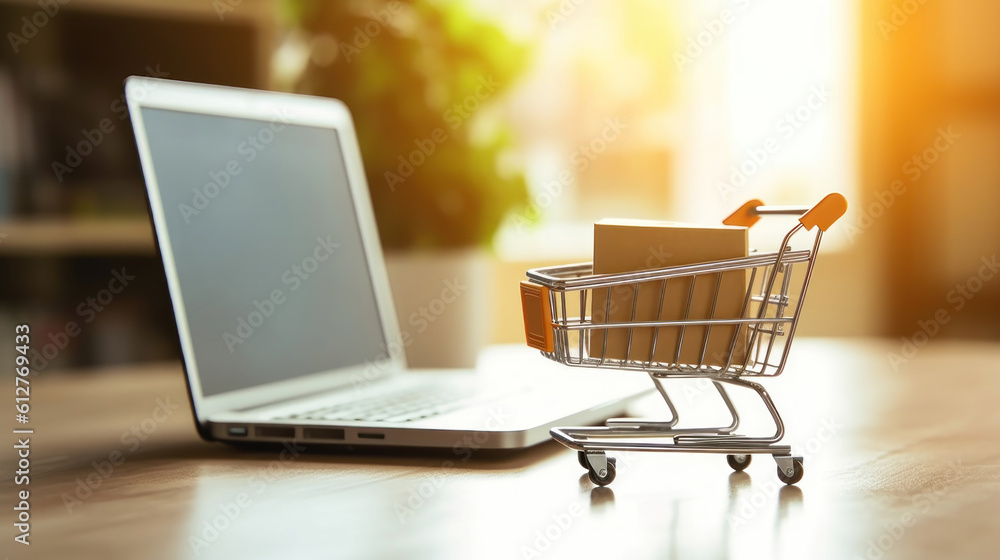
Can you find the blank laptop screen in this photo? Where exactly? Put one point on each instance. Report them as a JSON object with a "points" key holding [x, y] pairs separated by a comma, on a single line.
{"points": [[263, 231]]}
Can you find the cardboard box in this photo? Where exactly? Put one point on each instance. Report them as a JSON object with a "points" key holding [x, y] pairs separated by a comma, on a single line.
{"points": [[632, 245]]}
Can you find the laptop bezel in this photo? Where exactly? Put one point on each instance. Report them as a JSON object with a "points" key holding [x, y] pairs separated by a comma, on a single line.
{"points": [[264, 106]]}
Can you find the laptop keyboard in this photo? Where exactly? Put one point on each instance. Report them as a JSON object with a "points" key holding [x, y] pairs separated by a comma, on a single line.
{"points": [[400, 406]]}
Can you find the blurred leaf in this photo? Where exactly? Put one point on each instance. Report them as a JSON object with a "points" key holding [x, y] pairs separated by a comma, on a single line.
{"points": [[403, 82]]}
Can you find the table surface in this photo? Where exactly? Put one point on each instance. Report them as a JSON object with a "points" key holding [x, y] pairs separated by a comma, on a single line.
{"points": [[902, 461]]}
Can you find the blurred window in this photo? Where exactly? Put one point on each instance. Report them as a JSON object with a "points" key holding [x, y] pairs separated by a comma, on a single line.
{"points": [[679, 111]]}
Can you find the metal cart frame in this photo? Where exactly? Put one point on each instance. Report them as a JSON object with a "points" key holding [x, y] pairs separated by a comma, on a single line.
{"points": [[554, 303]]}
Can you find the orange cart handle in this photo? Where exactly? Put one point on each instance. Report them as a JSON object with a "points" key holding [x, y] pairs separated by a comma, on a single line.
{"points": [[746, 215], [824, 214]]}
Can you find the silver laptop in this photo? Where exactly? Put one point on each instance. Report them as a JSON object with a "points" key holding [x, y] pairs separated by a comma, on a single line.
{"points": [[283, 307]]}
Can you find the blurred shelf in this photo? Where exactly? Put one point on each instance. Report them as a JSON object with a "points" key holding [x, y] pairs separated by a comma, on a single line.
{"points": [[115, 236]]}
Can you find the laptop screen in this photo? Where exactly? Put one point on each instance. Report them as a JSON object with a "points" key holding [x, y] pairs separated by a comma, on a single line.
{"points": [[267, 247]]}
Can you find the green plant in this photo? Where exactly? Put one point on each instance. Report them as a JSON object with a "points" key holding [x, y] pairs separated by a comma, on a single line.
{"points": [[401, 68]]}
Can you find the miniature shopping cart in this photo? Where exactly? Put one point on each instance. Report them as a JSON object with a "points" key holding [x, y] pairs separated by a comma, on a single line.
{"points": [[555, 304]]}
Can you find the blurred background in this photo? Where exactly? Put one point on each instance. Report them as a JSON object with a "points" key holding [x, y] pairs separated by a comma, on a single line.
{"points": [[555, 113]]}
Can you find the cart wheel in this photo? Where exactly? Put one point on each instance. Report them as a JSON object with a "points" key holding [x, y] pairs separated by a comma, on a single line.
{"points": [[739, 462], [607, 478], [796, 475], [581, 456]]}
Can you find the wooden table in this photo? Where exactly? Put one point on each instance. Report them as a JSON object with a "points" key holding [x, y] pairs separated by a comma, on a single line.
{"points": [[900, 464]]}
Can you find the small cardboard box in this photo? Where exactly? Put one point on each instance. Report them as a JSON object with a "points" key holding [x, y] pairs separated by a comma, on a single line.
{"points": [[632, 245]]}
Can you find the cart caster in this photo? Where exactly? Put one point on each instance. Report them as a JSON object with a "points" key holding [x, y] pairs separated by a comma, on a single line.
{"points": [[581, 457], [608, 477], [796, 472], [739, 462]]}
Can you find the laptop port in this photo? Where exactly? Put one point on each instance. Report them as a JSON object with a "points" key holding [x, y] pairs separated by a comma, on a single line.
{"points": [[237, 431], [274, 432], [322, 433], [370, 435]]}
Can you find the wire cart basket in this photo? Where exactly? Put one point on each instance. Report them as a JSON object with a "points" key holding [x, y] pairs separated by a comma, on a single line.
{"points": [[555, 304]]}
